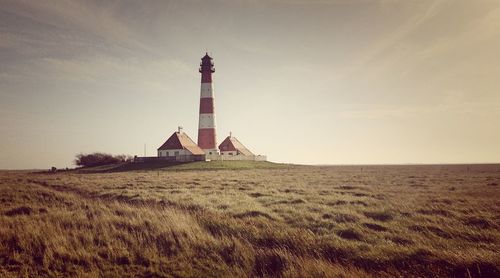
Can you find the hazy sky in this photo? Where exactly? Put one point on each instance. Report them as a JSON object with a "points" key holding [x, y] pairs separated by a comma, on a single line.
{"points": [[302, 81]]}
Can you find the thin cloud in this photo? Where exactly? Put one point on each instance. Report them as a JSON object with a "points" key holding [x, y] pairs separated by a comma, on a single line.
{"points": [[83, 17], [374, 51]]}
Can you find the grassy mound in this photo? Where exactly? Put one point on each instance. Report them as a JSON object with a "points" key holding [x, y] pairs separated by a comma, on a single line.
{"points": [[227, 165], [183, 166]]}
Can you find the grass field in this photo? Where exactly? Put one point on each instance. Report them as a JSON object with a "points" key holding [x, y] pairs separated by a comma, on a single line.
{"points": [[226, 219]]}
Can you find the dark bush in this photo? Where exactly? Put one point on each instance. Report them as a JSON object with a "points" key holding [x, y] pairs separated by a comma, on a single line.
{"points": [[98, 159]]}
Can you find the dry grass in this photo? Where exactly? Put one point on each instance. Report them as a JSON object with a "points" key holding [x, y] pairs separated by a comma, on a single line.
{"points": [[295, 221]]}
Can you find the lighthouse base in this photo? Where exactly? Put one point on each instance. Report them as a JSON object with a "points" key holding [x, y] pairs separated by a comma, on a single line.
{"points": [[211, 151]]}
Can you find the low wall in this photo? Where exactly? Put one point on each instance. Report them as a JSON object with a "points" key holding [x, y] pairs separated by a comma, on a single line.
{"points": [[189, 158], [236, 157], [179, 158]]}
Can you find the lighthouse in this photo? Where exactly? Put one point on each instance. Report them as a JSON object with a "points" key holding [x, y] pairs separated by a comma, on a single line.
{"points": [[179, 147], [207, 139]]}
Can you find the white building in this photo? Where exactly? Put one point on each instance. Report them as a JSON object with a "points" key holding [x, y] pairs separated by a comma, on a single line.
{"points": [[180, 147]]}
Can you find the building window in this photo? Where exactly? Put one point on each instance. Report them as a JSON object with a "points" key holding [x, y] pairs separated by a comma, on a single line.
{"points": [[166, 154], [176, 153]]}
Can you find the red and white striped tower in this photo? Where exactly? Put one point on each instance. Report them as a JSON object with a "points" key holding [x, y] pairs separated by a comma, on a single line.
{"points": [[207, 139]]}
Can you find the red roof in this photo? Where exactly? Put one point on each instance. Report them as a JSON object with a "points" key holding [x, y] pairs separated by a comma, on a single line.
{"points": [[231, 144], [179, 141]]}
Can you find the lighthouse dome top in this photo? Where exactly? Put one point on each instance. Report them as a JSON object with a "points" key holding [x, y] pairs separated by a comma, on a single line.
{"points": [[206, 57]]}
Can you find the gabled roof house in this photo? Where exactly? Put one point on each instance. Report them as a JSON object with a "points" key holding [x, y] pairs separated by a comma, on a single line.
{"points": [[179, 144], [231, 146]]}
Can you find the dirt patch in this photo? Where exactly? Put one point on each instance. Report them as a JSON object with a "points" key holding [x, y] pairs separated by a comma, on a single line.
{"points": [[350, 234], [375, 227], [253, 213], [401, 241], [440, 212], [383, 216], [478, 222], [256, 195], [430, 230], [223, 207], [345, 218], [269, 265], [349, 187], [336, 203], [297, 201], [361, 203], [19, 211], [439, 232]]}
